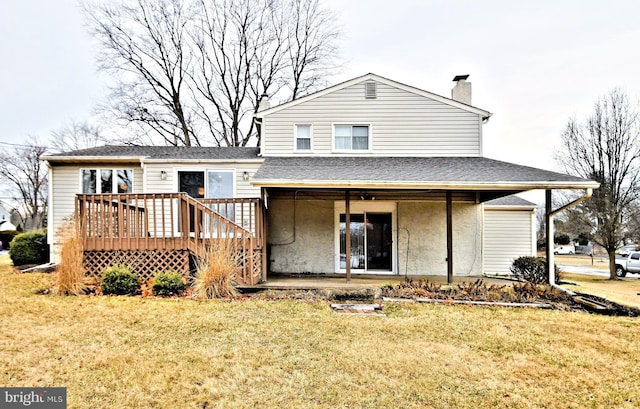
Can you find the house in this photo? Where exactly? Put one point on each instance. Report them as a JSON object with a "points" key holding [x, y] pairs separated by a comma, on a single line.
{"points": [[5, 218], [367, 176]]}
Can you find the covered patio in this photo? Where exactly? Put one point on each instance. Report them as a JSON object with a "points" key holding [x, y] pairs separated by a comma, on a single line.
{"points": [[313, 204]]}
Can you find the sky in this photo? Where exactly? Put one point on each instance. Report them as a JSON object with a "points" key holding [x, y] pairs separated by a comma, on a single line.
{"points": [[533, 64]]}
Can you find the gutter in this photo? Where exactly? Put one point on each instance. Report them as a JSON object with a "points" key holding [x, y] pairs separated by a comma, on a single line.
{"points": [[526, 185]]}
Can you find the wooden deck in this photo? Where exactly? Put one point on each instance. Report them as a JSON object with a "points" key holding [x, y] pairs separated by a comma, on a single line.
{"points": [[160, 231]]}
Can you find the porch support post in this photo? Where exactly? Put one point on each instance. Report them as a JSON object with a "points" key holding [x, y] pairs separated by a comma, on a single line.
{"points": [[262, 212], [550, 238], [347, 219], [449, 239]]}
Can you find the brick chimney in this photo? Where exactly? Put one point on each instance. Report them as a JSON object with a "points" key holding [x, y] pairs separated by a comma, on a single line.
{"points": [[461, 92]]}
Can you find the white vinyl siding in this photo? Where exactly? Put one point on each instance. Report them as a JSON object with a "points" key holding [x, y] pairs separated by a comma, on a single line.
{"points": [[155, 184], [405, 123], [508, 234], [65, 184]]}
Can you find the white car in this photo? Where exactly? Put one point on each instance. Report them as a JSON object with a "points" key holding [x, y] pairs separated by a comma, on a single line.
{"points": [[564, 250], [626, 250]]}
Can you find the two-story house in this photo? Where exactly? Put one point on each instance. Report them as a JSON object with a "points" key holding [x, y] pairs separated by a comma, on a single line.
{"points": [[367, 176]]}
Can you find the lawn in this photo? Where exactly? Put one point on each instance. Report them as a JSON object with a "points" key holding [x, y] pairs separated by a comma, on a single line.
{"points": [[123, 352], [624, 291]]}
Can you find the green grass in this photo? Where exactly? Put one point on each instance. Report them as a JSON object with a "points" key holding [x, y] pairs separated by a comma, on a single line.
{"points": [[122, 352]]}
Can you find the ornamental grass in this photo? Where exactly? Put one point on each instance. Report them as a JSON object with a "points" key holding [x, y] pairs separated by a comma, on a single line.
{"points": [[70, 272], [216, 270]]}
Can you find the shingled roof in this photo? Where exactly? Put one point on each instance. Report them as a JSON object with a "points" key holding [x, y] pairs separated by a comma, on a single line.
{"points": [[413, 172], [510, 201], [157, 153]]}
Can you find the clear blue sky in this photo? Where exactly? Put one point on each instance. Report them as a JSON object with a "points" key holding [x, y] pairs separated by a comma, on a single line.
{"points": [[533, 64]]}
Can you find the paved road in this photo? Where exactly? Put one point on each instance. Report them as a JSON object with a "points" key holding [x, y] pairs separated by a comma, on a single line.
{"points": [[597, 271]]}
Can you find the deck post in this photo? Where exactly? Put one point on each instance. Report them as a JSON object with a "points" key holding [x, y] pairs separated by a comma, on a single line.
{"points": [[347, 220], [449, 239]]}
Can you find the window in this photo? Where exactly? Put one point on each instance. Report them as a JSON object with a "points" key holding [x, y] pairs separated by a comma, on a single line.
{"points": [[303, 137], [111, 180], [351, 137], [220, 184]]}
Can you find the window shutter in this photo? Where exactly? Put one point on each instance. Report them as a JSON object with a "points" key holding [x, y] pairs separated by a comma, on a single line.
{"points": [[370, 90]]}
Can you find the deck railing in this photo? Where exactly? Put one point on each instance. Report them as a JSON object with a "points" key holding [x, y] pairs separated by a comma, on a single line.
{"points": [[172, 221]]}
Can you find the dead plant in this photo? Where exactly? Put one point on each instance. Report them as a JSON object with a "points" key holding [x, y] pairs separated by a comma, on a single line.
{"points": [[216, 270], [70, 272]]}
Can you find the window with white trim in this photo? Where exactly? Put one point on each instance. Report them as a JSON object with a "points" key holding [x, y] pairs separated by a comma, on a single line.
{"points": [[303, 138], [351, 137], [106, 180]]}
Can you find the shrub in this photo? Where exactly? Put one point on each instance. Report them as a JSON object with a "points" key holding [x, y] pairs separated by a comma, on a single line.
{"points": [[168, 283], [119, 280], [29, 248], [533, 270], [216, 271]]}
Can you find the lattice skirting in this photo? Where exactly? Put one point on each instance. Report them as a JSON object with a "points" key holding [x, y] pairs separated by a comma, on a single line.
{"points": [[145, 263]]}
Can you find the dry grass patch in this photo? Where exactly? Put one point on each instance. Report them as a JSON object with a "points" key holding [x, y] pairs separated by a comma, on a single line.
{"points": [[625, 291], [182, 353], [70, 272], [216, 271], [598, 261]]}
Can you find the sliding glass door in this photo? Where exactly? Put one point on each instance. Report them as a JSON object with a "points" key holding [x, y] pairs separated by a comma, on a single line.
{"points": [[371, 240]]}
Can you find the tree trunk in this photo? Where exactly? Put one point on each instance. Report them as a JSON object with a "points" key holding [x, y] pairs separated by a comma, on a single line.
{"points": [[612, 264]]}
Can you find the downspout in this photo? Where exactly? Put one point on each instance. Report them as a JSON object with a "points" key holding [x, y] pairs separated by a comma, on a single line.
{"points": [[50, 221], [550, 233]]}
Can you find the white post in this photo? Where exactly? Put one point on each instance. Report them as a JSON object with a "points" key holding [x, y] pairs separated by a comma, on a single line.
{"points": [[550, 244]]}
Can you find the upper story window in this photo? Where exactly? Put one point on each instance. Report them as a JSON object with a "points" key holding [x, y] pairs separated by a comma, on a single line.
{"points": [[106, 180], [351, 137], [303, 138]]}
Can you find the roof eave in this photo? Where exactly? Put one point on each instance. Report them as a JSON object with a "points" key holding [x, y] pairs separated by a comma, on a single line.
{"points": [[209, 160], [508, 207], [81, 159], [509, 186]]}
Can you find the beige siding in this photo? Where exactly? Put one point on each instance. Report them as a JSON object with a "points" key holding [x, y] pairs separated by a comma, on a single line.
{"points": [[155, 184], [242, 188], [402, 123], [508, 234], [65, 184]]}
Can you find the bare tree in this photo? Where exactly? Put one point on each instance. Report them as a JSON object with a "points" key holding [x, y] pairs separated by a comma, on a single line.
{"points": [[142, 42], [606, 148], [312, 52], [195, 71], [75, 135], [26, 175]]}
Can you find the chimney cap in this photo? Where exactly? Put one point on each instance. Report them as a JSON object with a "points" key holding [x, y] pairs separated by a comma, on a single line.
{"points": [[460, 77]]}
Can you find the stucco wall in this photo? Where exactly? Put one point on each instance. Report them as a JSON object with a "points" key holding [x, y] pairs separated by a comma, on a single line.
{"points": [[314, 245], [307, 244], [426, 224]]}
